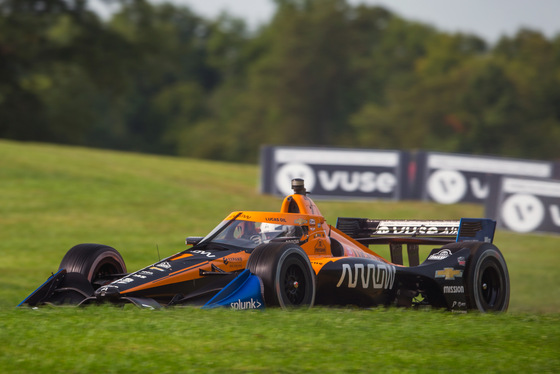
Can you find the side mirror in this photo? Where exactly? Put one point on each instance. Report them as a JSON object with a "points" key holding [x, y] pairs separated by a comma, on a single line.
{"points": [[193, 240]]}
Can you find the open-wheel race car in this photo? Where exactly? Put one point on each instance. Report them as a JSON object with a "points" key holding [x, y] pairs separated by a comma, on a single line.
{"points": [[295, 258]]}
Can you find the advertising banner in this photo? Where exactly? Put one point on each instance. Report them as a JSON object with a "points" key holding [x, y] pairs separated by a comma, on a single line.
{"points": [[526, 205], [335, 173], [453, 178]]}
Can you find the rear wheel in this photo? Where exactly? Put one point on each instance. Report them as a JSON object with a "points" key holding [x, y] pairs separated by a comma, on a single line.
{"points": [[94, 262], [286, 273], [488, 286]]}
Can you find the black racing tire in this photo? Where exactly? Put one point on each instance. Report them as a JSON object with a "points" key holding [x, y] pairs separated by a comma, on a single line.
{"points": [[488, 286], [93, 261], [287, 275]]}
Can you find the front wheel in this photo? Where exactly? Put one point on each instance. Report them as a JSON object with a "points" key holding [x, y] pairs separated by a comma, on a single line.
{"points": [[94, 262], [488, 286], [286, 273]]}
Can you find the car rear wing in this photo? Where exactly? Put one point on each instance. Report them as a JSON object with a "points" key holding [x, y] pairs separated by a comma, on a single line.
{"points": [[416, 232]]}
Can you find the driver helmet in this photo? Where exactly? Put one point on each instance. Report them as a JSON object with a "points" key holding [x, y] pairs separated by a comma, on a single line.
{"points": [[270, 231]]}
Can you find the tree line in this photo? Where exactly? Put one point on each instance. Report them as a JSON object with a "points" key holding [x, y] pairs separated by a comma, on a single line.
{"points": [[160, 78]]}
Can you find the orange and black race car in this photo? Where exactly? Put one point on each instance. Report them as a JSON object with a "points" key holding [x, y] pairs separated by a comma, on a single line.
{"points": [[295, 258]]}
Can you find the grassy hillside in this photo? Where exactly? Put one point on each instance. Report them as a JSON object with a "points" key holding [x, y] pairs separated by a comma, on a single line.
{"points": [[53, 197]]}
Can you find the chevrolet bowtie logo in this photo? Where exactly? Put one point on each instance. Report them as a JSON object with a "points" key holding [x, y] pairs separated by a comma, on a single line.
{"points": [[449, 273]]}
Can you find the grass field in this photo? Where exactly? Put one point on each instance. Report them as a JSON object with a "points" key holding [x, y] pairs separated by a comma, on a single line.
{"points": [[53, 197]]}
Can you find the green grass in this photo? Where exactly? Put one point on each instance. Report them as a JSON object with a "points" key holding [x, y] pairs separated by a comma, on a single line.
{"points": [[104, 339], [53, 197]]}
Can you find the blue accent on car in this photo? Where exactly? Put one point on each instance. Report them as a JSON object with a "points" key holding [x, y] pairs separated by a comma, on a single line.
{"points": [[43, 289], [244, 292], [476, 229]]}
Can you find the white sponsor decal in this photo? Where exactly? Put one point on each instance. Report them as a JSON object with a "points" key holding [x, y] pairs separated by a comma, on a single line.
{"points": [[479, 190], [337, 157], [290, 171], [307, 165], [453, 289], [106, 288], [458, 304], [522, 213], [165, 265], [447, 186], [490, 165], [249, 304], [124, 281], [413, 229], [441, 255], [451, 186], [555, 214], [530, 203], [204, 253], [347, 181], [377, 276], [531, 187], [357, 181]]}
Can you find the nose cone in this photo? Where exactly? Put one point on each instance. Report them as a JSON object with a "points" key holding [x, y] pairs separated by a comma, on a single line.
{"points": [[107, 293]]}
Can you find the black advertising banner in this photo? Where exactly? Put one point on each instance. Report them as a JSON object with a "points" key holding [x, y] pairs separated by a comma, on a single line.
{"points": [[452, 178], [526, 205], [335, 173]]}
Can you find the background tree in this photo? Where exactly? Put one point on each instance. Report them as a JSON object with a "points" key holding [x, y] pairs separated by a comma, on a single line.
{"points": [[57, 59], [160, 78]]}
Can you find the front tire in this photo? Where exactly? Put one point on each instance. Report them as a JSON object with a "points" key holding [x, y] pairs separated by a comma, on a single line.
{"points": [[488, 286], [286, 272], [93, 261]]}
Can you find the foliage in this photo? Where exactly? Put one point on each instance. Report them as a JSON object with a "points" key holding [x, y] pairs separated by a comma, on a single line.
{"points": [[159, 78]]}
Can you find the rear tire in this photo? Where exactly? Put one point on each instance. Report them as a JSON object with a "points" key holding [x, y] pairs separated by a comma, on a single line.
{"points": [[93, 261], [488, 286], [287, 275]]}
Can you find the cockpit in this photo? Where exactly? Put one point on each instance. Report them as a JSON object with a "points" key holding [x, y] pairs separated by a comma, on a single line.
{"points": [[249, 234]]}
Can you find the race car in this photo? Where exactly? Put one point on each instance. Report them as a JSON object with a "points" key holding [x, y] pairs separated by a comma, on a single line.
{"points": [[294, 258]]}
